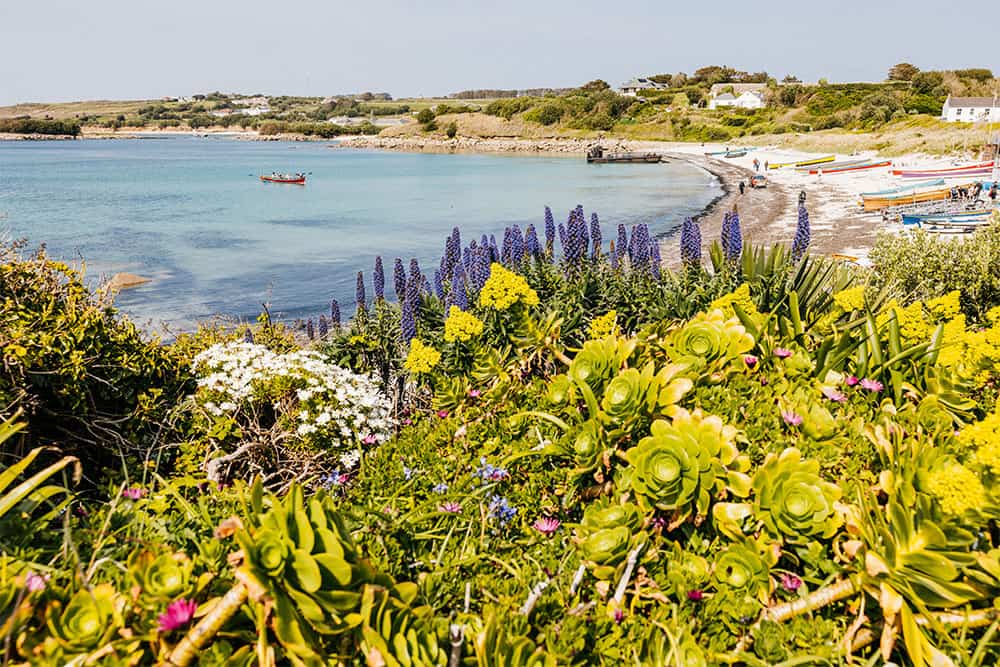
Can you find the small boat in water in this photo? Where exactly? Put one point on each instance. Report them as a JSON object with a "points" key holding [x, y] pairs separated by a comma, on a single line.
{"points": [[596, 155], [293, 179]]}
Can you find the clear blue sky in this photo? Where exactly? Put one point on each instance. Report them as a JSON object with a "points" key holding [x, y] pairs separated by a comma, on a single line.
{"points": [[113, 49]]}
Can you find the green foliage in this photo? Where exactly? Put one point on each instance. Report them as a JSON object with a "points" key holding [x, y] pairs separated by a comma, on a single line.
{"points": [[39, 126]]}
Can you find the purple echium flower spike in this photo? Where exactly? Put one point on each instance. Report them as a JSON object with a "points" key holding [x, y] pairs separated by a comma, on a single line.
{"points": [[480, 271], [446, 257], [735, 238], [690, 243], [456, 247], [399, 280], [359, 292], [802, 235], [310, 330], [531, 248], [438, 287], [640, 248], [516, 245], [654, 258], [622, 245], [726, 232], [407, 323], [563, 237], [335, 313], [595, 236], [324, 328], [458, 296], [505, 247], [467, 257], [494, 250], [613, 256], [378, 279], [550, 232]]}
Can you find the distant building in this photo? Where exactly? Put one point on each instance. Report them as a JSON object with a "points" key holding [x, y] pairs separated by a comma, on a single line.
{"points": [[251, 102], [739, 95], [971, 110], [255, 111], [633, 87]]}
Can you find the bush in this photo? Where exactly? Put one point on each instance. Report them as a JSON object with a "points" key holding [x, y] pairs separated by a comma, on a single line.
{"points": [[547, 114], [451, 130], [39, 126]]}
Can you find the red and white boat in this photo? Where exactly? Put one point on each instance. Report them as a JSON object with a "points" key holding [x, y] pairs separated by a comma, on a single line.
{"points": [[293, 179], [981, 169]]}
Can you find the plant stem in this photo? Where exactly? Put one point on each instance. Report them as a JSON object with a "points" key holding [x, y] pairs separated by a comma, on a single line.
{"points": [[198, 636], [815, 600]]}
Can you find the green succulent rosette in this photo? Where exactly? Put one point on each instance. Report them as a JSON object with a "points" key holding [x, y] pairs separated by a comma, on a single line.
{"points": [[792, 499], [607, 533], [561, 391], [609, 514], [818, 423], [88, 621], [164, 577], [586, 444], [599, 360], [626, 395], [742, 568], [709, 338], [682, 463], [607, 546]]}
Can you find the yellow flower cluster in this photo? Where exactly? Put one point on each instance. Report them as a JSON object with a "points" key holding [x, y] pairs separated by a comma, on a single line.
{"points": [[461, 325], [505, 288], [422, 358], [956, 488], [604, 326], [740, 296], [918, 320], [984, 439], [850, 299]]}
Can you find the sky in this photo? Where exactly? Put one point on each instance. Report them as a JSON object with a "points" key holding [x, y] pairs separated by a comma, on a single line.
{"points": [[113, 49]]}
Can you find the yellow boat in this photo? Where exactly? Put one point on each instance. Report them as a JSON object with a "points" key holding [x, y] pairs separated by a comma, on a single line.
{"points": [[879, 202], [803, 163]]}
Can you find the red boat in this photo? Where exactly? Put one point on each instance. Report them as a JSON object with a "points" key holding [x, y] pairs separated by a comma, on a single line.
{"points": [[294, 179]]}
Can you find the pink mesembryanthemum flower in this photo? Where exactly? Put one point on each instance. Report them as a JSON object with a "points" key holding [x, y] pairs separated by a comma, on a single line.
{"points": [[782, 352], [451, 508], [134, 493], [35, 582], [475, 393], [791, 418], [750, 360], [177, 615], [695, 595], [871, 385], [834, 395], [370, 439], [619, 616], [790, 582], [443, 414], [851, 380], [547, 525]]}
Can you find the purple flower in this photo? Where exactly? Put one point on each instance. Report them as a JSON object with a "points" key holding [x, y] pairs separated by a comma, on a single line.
{"points": [[695, 595], [133, 493], [505, 247], [324, 328], [331, 480], [654, 258], [335, 313], [725, 238], [531, 248], [440, 488], [359, 293], [438, 285], [871, 385], [613, 256], [622, 246], [834, 394], [378, 279], [547, 526], [750, 360], [407, 323], [782, 352], [370, 439], [733, 241], [801, 241], [489, 472], [791, 418], [501, 509], [399, 280], [595, 236], [690, 242], [851, 380], [178, 614], [619, 616], [310, 329], [475, 393], [450, 507], [790, 582], [516, 245], [407, 472], [35, 582], [550, 232], [458, 296]]}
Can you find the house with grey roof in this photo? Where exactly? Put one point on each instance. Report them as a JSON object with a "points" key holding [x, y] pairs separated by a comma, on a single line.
{"points": [[971, 110], [634, 87]]}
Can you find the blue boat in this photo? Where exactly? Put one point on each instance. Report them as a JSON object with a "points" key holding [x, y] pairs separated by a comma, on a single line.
{"points": [[904, 188]]}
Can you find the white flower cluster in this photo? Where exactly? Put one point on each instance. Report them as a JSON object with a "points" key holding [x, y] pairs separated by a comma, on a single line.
{"points": [[334, 407]]}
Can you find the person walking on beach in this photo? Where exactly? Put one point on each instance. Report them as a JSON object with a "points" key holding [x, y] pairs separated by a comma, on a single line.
{"points": [[756, 164], [993, 193], [765, 165], [802, 197], [743, 187]]}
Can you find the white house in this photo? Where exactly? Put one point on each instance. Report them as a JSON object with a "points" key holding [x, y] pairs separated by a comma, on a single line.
{"points": [[739, 95], [633, 87], [971, 110]]}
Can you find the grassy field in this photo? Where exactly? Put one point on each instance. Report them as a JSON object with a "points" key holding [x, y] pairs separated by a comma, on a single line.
{"points": [[64, 110]]}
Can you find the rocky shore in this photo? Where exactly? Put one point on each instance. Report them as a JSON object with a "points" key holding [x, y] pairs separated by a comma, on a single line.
{"points": [[480, 144]]}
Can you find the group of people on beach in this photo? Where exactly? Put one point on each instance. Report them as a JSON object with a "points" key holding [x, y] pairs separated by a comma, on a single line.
{"points": [[962, 192]]}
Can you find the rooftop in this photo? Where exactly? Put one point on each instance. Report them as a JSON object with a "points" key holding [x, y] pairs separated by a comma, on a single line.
{"points": [[979, 102], [738, 87]]}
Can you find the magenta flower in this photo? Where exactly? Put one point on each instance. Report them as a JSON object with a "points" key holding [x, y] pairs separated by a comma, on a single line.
{"points": [[791, 418], [178, 614], [451, 507], [851, 380], [475, 393], [443, 414], [134, 493], [871, 385], [790, 582], [750, 360], [782, 352], [35, 582], [619, 616], [407, 422], [834, 395], [370, 439], [547, 526], [695, 595]]}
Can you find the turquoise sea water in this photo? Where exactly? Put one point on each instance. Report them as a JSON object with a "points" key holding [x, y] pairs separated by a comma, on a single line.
{"points": [[191, 213]]}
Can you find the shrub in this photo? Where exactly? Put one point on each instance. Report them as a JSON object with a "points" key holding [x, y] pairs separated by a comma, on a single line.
{"points": [[451, 130], [39, 126]]}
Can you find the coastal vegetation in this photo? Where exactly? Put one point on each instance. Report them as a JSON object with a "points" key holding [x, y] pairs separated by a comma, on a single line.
{"points": [[39, 126], [543, 450]]}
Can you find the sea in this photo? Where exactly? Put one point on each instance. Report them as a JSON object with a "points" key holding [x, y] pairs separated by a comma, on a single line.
{"points": [[191, 214]]}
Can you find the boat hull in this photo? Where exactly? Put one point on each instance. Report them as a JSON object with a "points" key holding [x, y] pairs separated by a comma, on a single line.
{"points": [[982, 169], [287, 181], [881, 202], [803, 163], [857, 167]]}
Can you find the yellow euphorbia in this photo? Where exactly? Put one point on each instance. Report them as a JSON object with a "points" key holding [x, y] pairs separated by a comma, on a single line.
{"points": [[461, 325], [740, 296], [505, 288], [604, 326], [422, 358]]}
